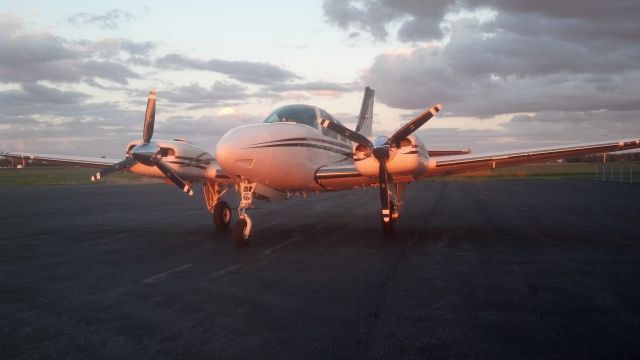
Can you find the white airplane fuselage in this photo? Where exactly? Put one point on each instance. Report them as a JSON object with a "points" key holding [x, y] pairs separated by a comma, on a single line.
{"points": [[283, 156], [288, 156]]}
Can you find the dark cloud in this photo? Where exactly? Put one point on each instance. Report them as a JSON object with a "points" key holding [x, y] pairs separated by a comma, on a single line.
{"points": [[49, 105], [479, 75], [37, 57], [370, 18], [420, 20], [423, 20], [244, 71], [31, 94], [110, 20]]}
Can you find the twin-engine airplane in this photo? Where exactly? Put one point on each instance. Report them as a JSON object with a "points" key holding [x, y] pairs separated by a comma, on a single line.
{"points": [[300, 148]]}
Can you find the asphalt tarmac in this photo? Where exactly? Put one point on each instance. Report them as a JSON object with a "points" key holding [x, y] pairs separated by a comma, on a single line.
{"points": [[495, 269]]}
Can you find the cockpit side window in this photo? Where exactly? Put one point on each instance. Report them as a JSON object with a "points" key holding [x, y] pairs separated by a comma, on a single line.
{"points": [[326, 132], [305, 115]]}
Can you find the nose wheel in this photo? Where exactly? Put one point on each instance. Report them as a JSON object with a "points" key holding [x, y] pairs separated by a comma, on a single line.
{"points": [[242, 232]]}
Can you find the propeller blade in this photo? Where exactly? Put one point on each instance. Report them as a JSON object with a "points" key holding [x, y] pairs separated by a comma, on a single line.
{"points": [[149, 117], [166, 170], [414, 124], [345, 132], [126, 163], [385, 200]]}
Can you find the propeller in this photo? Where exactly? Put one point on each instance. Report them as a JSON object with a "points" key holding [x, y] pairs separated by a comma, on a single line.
{"points": [[380, 147], [147, 153], [124, 164]]}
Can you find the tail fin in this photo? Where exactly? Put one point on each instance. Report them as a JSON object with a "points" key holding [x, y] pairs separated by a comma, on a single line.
{"points": [[365, 120]]}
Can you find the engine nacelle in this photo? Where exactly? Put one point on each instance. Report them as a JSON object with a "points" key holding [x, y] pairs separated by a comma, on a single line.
{"points": [[409, 158], [185, 159]]}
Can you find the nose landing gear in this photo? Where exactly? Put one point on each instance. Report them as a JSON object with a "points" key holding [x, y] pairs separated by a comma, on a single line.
{"points": [[242, 229]]}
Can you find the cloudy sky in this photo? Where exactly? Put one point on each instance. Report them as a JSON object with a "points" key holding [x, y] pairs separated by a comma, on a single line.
{"points": [[511, 73]]}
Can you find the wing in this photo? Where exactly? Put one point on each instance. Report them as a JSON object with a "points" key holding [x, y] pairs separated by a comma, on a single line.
{"points": [[448, 165], [347, 176], [91, 162], [212, 173]]}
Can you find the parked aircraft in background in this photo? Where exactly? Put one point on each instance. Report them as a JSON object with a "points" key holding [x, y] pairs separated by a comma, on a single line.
{"points": [[302, 148]]}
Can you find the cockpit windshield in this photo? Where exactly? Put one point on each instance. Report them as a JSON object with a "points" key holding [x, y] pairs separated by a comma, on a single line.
{"points": [[301, 114]]}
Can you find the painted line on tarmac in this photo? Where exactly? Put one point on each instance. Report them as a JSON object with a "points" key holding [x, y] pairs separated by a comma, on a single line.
{"points": [[225, 270], [267, 252], [160, 276], [277, 247]]}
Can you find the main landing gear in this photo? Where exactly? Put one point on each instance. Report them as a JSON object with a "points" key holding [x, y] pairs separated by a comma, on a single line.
{"points": [[219, 208], [222, 212]]}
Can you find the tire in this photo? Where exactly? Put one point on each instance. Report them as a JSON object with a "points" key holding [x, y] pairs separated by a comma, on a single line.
{"points": [[221, 215], [387, 227], [238, 233]]}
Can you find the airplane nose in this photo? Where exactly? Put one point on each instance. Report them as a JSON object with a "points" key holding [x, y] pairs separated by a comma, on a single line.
{"points": [[245, 151]]}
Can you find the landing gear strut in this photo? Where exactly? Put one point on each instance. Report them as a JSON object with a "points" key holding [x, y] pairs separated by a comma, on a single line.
{"points": [[220, 209], [396, 201], [242, 229]]}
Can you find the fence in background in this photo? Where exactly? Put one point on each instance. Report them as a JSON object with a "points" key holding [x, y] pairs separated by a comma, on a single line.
{"points": [[618, 172]]}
